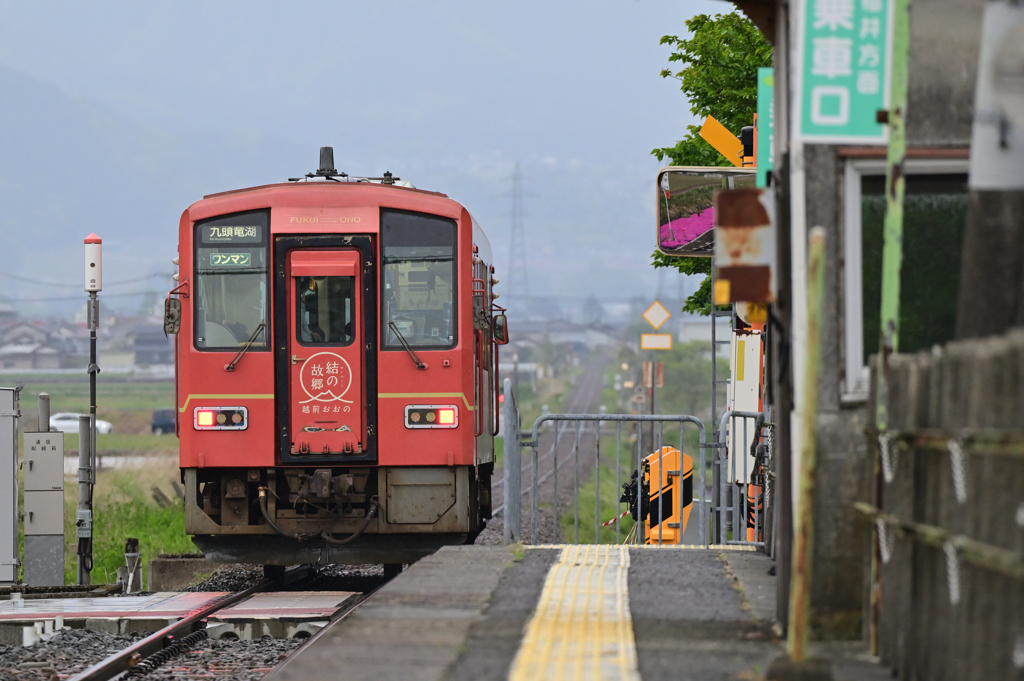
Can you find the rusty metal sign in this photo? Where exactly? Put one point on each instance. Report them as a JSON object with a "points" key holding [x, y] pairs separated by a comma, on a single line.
{"points": [[744, 247]]}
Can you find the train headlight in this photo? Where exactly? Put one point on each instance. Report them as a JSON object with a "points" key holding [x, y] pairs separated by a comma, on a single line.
{"points": [[220, 418], [431, 416]]}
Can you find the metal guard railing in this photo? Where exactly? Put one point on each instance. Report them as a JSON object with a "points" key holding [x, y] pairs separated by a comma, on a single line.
{"points": [[733, 474]]}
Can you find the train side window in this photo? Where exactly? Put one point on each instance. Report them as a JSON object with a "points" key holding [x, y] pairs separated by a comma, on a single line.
{"points": [[231, 289], [419, 278], [325, 308]]}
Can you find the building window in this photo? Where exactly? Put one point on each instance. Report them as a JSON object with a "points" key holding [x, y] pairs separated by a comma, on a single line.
{"points": [[934, 214]]}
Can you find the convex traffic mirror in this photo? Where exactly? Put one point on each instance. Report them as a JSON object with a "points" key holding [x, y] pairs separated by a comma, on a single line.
{"points": [[686, 199]]}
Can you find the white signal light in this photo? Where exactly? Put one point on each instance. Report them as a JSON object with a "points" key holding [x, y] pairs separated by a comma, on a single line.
{"points": [[93, 264]]}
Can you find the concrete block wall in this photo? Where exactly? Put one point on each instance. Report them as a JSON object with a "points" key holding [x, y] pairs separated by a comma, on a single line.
{"points": [[965, 390]]}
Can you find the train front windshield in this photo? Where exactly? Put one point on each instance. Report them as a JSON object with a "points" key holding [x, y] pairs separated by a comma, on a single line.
{"points": [[231, 291], [419, 281]]}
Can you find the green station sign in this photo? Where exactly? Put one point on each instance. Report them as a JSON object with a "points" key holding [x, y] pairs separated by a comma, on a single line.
{"points": [[846, 60]]}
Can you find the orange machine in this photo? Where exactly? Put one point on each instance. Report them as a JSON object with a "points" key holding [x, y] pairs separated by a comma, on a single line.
{"points": [[662, 524]]}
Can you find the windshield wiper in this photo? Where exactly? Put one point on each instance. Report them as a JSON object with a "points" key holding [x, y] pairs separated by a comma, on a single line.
{"points": [[248, 344], [405, 344]]}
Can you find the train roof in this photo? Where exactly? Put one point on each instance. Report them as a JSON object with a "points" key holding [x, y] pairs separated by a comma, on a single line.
{"points": [[311, 194], [249, 198], [326, 177], [357, 182]]}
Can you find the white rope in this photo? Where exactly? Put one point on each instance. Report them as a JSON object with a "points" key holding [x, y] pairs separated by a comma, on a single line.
{"points": [[952, 573], [886, 540], [890, 458], [959, 466]]}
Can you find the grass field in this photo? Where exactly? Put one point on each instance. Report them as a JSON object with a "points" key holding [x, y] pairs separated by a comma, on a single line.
{"points": [[128, 405], [111, 396], [123, 504], [126, 442], [608, 508], [123, 507]]}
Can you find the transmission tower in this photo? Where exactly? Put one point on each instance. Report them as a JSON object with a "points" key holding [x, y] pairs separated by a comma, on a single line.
{"points": [[518, 284]]}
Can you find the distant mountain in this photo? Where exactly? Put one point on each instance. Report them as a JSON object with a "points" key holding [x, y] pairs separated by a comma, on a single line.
{"points": [[69, 167]]}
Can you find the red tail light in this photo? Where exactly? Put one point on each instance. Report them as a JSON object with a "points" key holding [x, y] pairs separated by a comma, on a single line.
{"points": [[220, 418], [431, 416]]}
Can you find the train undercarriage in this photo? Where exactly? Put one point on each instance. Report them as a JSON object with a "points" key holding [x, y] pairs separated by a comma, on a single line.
{"points": [[347, 515]]}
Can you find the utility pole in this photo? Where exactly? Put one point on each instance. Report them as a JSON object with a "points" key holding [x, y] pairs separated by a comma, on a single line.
{"points": [[87, 440]]}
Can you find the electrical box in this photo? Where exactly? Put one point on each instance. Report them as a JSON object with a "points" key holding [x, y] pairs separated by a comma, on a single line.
{"points": [[668, 483], [9, 413], [43, 514], [43, 464], [745, 395]]}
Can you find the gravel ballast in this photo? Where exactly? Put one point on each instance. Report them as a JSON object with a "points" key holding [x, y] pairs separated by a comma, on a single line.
{"points": [[331, 578], [68, 652]]}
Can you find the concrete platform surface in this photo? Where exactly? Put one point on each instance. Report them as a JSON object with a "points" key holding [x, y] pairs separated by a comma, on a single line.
{"points": [[287, 604], [280, 615], [560, 612], [162, 604]]}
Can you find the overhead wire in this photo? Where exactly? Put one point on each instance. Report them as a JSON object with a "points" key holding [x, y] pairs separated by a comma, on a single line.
{"points": [[79, 297], [58, 284]]}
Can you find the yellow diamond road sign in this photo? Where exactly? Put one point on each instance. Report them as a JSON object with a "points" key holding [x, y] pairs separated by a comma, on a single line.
{"points": [[657, 315]]}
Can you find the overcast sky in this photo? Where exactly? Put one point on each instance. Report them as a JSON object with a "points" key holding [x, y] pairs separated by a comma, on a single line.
{"points": [[448, 95]]}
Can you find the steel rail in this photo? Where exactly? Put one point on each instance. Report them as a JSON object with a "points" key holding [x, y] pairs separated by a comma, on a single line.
{"points": [[123, 660], [586, 391], [585, 394]]}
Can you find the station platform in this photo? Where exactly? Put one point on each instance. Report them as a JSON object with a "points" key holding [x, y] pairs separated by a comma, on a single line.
{"points": [[567, 612]]}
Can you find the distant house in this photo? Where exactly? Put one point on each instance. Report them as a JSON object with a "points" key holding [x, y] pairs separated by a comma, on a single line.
{"points": [[24, 333], [695, 328], [16, 356], [150, 346], [73, 339]]}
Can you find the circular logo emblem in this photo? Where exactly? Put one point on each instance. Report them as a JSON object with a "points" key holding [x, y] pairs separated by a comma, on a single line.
{"points": [[325, 377]]}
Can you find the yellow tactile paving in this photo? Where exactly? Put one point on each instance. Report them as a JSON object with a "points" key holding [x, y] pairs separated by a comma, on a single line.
{"points": [[582, 627]]}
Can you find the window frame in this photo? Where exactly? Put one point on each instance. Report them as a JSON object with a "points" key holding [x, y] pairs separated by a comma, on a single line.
{"points": [[384, 346], [197, 244], [856, 374], [325, 344]]}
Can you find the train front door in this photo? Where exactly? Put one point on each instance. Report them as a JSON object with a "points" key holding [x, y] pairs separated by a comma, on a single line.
{"points": [[326, 372]]}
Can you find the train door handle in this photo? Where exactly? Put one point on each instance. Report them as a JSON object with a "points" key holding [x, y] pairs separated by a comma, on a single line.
{"points": [[296, 360]]}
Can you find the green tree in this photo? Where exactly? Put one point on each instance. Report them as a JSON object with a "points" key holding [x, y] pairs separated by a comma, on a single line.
{"points": [[717, 71]]}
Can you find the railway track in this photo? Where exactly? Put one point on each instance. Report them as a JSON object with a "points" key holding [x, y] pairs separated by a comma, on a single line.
{"points": [[584, 399], [157, 656]]}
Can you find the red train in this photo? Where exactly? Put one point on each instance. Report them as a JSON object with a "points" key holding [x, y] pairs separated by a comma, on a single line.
{"points": [[336, 366]]}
